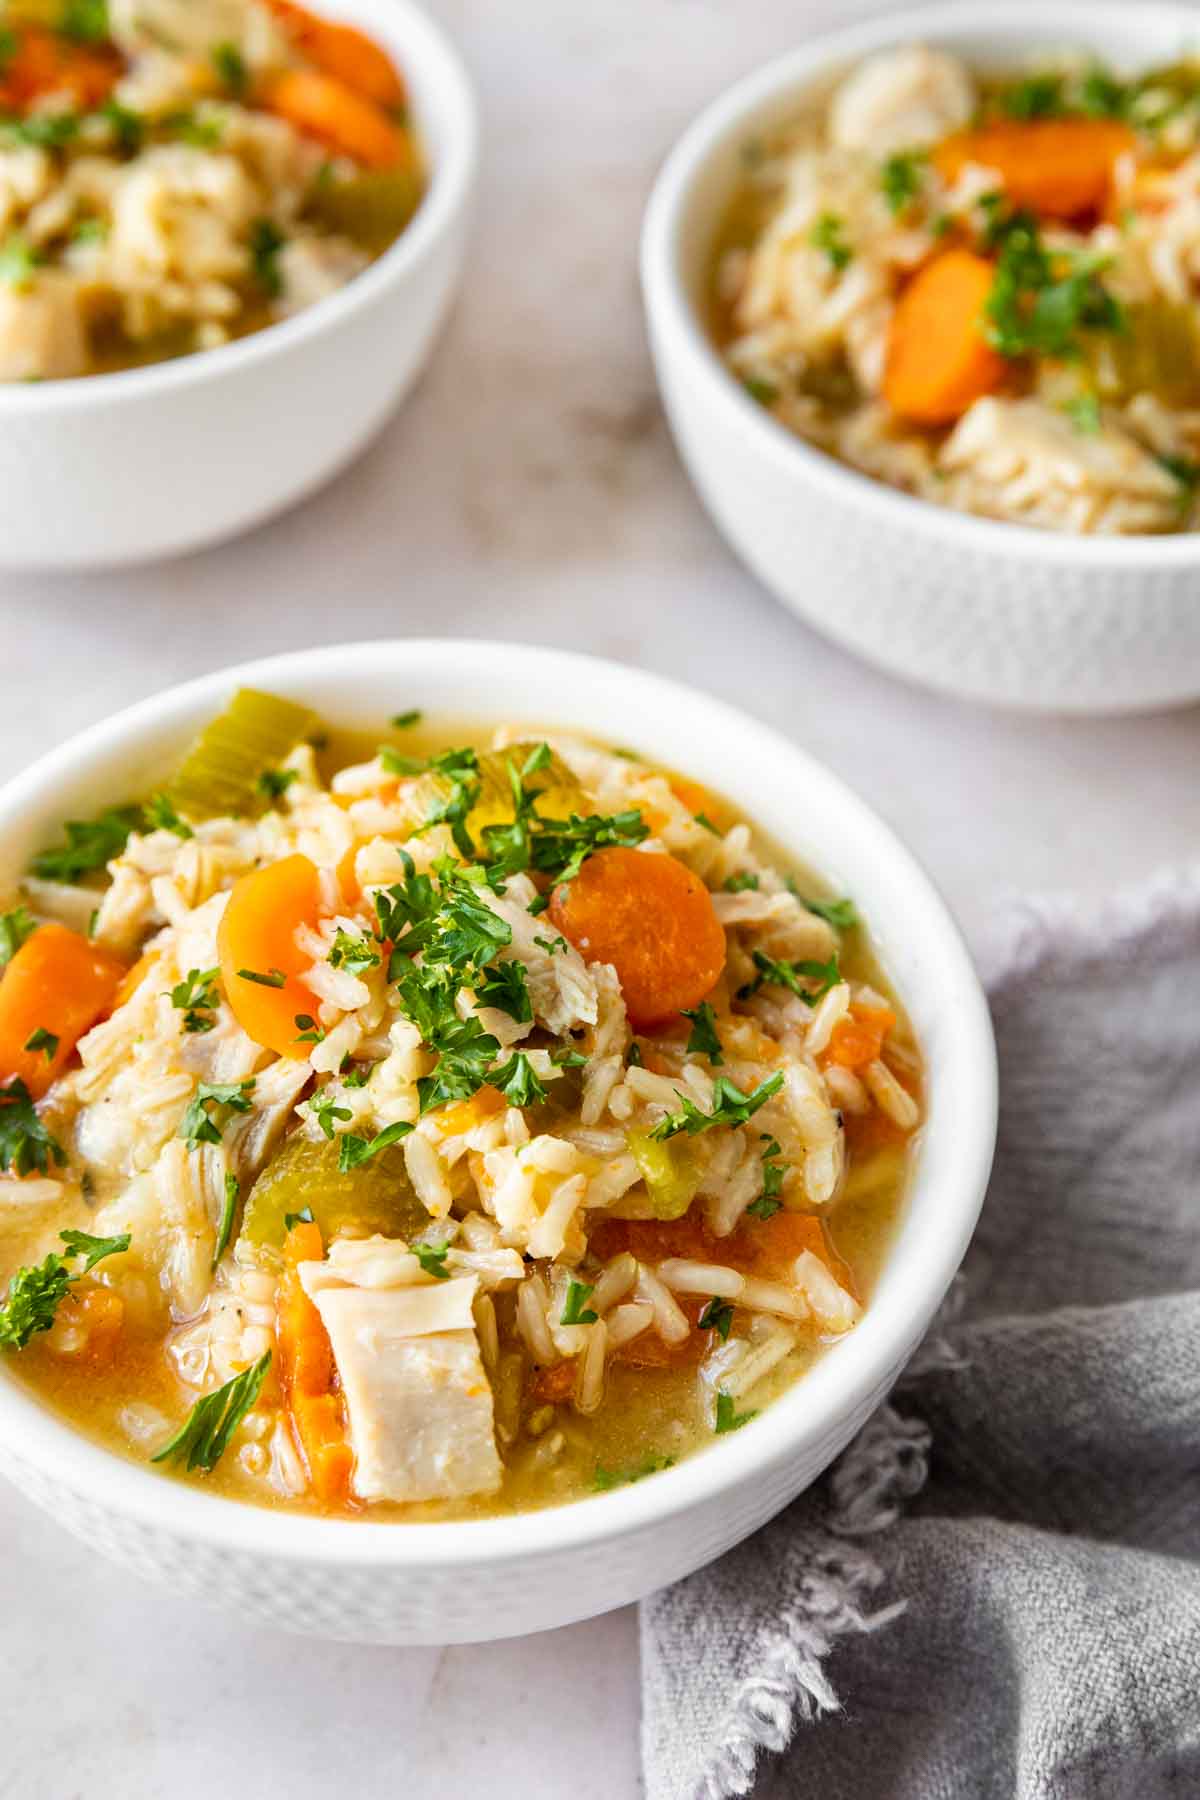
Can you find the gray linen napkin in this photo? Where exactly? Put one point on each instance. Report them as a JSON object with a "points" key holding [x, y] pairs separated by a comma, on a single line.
{"points": [[996, 1592]]}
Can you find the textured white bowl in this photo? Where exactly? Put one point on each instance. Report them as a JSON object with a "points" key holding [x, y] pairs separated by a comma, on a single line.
{"points": [[984, 610], [120, 468], [496, 1577]]}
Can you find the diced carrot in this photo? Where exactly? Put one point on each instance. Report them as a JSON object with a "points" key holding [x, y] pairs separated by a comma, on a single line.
{"points": [[653, 1240], [938, 359], [693, 796], [258, 934], [553, 1385], [59, 984], [464, 1115], [307, 1373], [650, 917], [97, 1315], [43, 62], [344, 52], [857, 1038], [770, 1246], [326, 109], [1058, 168], [649, 1351]]}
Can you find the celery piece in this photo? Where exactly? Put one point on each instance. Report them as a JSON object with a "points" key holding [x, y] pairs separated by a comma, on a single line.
{"points": [[220, 772], [671, 1171], [376, 1196]]}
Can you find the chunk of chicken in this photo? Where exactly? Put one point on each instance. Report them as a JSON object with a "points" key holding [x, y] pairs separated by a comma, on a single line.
{"points": [[195, 28], [1025, 461], [418, 1401], [312, 268], [41, 329], [901, 100]]}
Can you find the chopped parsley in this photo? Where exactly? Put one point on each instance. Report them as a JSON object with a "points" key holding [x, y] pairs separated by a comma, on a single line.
{"points": [[36, 1291], [604, 1480], [402, 721], [129, 128], [505, 987], [161, 816], [826, 235], [841, 914], [741, 882], [353, 954], [794, 976], [309, 1032], [728, 1418], [266, 242], [1084, 413], [205, 1434], [42, 1040], [900, 178], [730, 1107], [576, 1310], [717, 1316], [1185, 471], [230, 66], [518, 1081], [702, 818], [198, 1125], [196, 997], [432, 1258], [19, 260], [325, 1111], [355, 1150], [26, 1147], [703, 1040], [84, 20], [272, 978], [228, 1210], [90, 844], [15, 928], [1041, 300], [766, 393], [272, 784], [44, 131], [1035, 97], [768, 1202], [303, 1217]]}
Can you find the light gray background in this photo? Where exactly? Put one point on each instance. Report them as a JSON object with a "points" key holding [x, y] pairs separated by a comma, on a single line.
{"points": [[528, 491]]}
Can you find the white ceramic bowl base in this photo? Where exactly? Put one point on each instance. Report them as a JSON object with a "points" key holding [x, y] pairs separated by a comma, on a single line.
{"points": [[498, 1577], [981, 609], [121, 468]]}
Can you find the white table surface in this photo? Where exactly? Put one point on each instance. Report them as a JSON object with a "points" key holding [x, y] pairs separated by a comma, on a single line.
{"points": [[529, 491]]}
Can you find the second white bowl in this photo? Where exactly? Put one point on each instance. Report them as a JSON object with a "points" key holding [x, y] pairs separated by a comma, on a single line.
{"points": [[982, 609], [121, 468]]}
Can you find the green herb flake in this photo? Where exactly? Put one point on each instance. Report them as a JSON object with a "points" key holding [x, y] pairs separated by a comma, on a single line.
{"points": [[1083, 410], [270, 978], [90, 844], [161, 816], [86, 21], [575, 1306], [841, 914], [196, 997], [303, 1217], [353, 954], [730, 1107], [272, 784], [355, 1150], [206, 1433], [795, 976], [432, 1258], [16, 928], [728, 1418], [266, 242], [518, 1081], [19, 260], [228, 1212], [703, 1039], [604, 1479], [230, 66], [717, 1316], [826, 235], [36, 1291], [326, 1112], [745, 881], [26, 1147], [505, 987], [198, 1125], [42, 1040], [402, 721], [765, 392], [901, 178]]}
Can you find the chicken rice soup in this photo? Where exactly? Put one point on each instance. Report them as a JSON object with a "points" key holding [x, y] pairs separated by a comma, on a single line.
{"points": [[176, 173], [455, 1127], [982, 291]]}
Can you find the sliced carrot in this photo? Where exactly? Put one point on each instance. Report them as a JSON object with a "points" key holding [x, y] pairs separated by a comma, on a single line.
{"points": [[341, 51], [857, 1038], [938, 359], [464, 1115], [58, 984], [43, 63], [650, 917], [1058, 168], [756, 1247], [307, 1373], [653, 1240], [257, 937], [770, 1246], [326, 109]]}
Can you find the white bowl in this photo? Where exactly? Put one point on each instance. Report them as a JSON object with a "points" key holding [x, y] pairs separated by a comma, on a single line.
{"points": [[982, 609], [496, 1577], [119, 468]]}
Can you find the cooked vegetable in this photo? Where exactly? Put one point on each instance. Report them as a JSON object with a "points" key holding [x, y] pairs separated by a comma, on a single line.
{"points": [[59, 985], [307, 1374], [373, 208], [325, 108], [857, 1039], [938, 356], [1059, 168], [26, 1147], [671, 1173], [206, 1433], [90, 843], [374, 1196], [44, 62], [650, 917], [256, 943], [730, 1107], [342, 51], [221, 771], [728, 1418]]}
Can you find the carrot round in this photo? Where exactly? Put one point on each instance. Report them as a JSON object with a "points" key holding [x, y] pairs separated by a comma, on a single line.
{"points": [[653, 920], [43, 62], [342, 51], [55, 988], [857, 1039], [938, 360], [1058, 168], [307, 1372], [257, 938], [325, 108]]}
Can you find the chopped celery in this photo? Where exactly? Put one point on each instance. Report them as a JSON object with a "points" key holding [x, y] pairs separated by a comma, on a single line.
{"points": [[672, 1172], [377, 1196], [372, 208], [220, 772], [557, 792]]}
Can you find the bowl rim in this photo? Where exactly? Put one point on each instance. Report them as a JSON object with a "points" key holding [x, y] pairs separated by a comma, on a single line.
{"points": [[673, 316], [851, 1375], [434, 70]]}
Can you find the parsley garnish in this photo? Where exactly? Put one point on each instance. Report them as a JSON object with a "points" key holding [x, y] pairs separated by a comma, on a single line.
{"points": [[45, 131], [518, 1082], [129, 127], [401, 721], [727, 1418], [161, 816], [15, 927], [1036, 97], [766, 393], [505, 987], [730, 1107], [353, 954], [355, 1150], [325, 1111], [42, 1040], [90, 844], [25, 1144], [309, 1031], [225, 1228], [900, 179], [1084, 413], [19, 260], [605, 1479], [773, 1172], [562, 846], [231, 69], [272, 784], [432, 1258], [739, 883], [205, 1434], [703, 1040], [198, 1125], [272, 978], [84, 20], [717, 1316], [702, 818], [826, 235], [196, 997], [303, 1217], [576, 1301], [841, 914], [36, 1292], [1041, 300], [266, 241], [791, 975]]}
